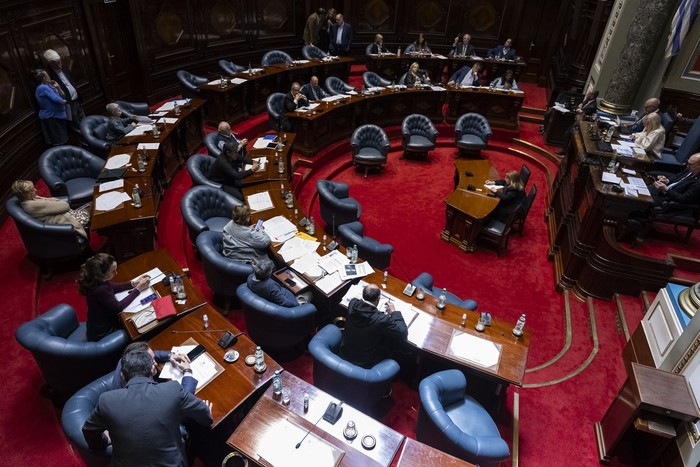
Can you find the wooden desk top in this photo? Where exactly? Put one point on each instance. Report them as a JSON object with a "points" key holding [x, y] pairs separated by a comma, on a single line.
{"points": [[126, 212], [417, 454], [432, 329], [591, 147], [239, 381], [271, 171], [165, 129], [165, 262], [269, 411], [476, 204]]}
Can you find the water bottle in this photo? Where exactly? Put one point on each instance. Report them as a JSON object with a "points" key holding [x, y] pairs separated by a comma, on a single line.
{"points": [[205, 318], [464, 319], [442, 299], [176, 108], [277, 383], [348, 253], [353, 258], [280, 167], [324, 243], [518, 329], [386, 276], [282, 192], [306, 402], [398, 52], [259, 359], [250, 69], [173, 284], [181, 293], [136, 197], [141, 164], [312, 226], [222, 82]]}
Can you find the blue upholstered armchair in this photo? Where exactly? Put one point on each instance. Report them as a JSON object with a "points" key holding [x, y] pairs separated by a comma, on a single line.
{"points": [[230, 68], [370, 145], [272, 326], [45, 243], [402, 79], [189, 83], [70, 171], [134, 108], [378, 254], [198, 166], [362, 388], [337, 207], [223, 275], [77, 409], [206, 208], [335, 85], [66, 359], [275, 57], [93, 128], [311, 52], [275, 111], [425, 282], [671, 162], [455, 423], [371, 80], [210, 143], [419, 135], [472, 133]]}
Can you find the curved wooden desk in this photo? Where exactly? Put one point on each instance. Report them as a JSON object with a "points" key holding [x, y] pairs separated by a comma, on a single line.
{"points": [[494, 68], [499, 106]]}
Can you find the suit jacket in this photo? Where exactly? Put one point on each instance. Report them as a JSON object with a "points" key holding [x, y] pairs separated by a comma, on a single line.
{"points": [[345, 40], [375, 49], [509, 199], [312, 28], [500, 52], [462, 50], [685, 189], [229, 173], [220, 140], [189, 383], [143, 420], [461, 73], [291, 106], [272, 292], [421, 77], [118, 127], [308, 91], [54, 76]]}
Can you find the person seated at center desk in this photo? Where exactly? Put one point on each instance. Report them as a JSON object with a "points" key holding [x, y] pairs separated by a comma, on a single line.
{"points": [[466, 76], [229, 169], [416, 76], [509, 197]]}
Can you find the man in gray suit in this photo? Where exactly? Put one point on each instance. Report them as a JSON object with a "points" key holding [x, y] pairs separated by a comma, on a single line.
{"points": [[142, 420]]}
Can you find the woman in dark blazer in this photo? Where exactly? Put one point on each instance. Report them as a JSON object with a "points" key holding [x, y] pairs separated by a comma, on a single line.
{"points": [[510, 196], [416, 75]]}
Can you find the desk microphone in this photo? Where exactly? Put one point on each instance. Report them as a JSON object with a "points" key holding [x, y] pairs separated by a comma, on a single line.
{"points": [[309, 431], [204, 330]]}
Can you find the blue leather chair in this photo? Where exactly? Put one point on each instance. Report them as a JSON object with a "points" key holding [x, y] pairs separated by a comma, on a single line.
{"points": [[361, 388], [425, 282], [419, 135], [311, 52], [275, 57], [189, 83], [336, 86], [223, 275], [66, 359], [135, 108], [370, 145], [206, 208], [453, 422], [198, 166], [210, 143], [70, 171], [46, 243], [472, 133], [378, 254], [675, 162], [372, 80], [93, 129], [402, 79], [275, 111], [77, 409], [274, 327], [337, 207], [368, 49], [230, 68]]}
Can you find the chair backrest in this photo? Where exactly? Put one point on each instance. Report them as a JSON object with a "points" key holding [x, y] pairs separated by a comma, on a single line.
{"points": [[204, 202], [378, 254], [222, 274], [425, 282], [418, 124], [93, 129], [335, 85], [275, 57], [210, 143], [473, 124], [369, 136], [368, 49], [402, 79], [524, 174], [275, 106], [198, 166], [230, 68], [371, 80], [134, 108], [62, 163], [190, 83], [336, 206], [691, 143], [311, 52]]}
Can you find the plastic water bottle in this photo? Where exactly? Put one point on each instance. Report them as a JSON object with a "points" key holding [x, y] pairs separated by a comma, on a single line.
{"points": [[280, 167], [141, 162], [353, 258], [277, 383], [348, 253], [250, 69], [136, 197], [173, 284], [205, 318], [325, 239], [386, 276], [398, 52], [259, 359], [282, 192], [181, 293], [176, 109], [518, 329], [306, 402], [442, 299], [312, 226]]}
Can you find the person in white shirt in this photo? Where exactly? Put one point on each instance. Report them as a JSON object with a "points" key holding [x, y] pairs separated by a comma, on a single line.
{"points": [[466, 76], [653, 136]]}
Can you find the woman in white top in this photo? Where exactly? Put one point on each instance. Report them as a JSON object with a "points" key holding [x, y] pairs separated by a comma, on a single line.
{"points": [[653, 136]]}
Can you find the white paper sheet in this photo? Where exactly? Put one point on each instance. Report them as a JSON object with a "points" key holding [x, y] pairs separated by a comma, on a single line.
{"points": [[278, 448], [158, 114], [264, 143], [296, 248], [110, 200], [333, 261], [261, 160], [106, 186], [118, 160], [168, 120], [259, 201], [329, 282], [474, 349], [168, 106], [148, 146], [203, 367], [279, 229], [611, 178], [308, 265], [352, 271], [140, 130], [135, 306], [238, 80]]}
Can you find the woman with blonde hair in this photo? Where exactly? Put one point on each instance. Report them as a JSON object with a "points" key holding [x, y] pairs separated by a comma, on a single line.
{"points": [[653, 136], [416, 76], [509, 197]]}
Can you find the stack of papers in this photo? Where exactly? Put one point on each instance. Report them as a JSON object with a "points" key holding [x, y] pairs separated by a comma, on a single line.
{"points": [[110, 200], [168, 121], [261, 160], [611, 178], [352, 271], [260, 201], [168, 106], [279, 229], [117, 161], [148, 146], [329, 282], [337, 97], [254, 70], [266, 142], [308, 265], [106, 186], [297, 247], [140, 130], [334, 261]]}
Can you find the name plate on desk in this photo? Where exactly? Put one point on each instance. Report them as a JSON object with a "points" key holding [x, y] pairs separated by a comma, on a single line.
{"points": [[473, 349]]}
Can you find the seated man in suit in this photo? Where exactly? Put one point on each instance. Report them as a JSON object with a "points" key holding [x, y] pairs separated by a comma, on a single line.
{"points": [[466, 76], [587, 107], [312, 91], [142, 420], [378, 46], [370, 334], [340, 36], [224, 135], [503, 52], [119, 123], [294, 99], [189, 382], [462, 48], [263, 286], [651, 106]]}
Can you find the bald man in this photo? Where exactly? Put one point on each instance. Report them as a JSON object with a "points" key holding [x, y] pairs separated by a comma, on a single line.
{"points": [[312, 90], [651, 106], [224, 135]]}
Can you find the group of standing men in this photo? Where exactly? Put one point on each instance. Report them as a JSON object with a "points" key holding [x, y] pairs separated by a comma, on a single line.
{"points": [[328, 31]]}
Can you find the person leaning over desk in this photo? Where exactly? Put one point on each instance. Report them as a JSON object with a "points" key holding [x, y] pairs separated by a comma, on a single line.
{"points": [[117, 125], [509, 198], [229, 169], [103, 307], [242, 241], [180, 361], [466, 76]]}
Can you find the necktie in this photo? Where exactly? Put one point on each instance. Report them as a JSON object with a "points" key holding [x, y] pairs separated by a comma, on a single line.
{"points": [[313, 90]]}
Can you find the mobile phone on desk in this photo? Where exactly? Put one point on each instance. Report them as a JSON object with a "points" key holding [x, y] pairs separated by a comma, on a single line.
{"points": [[196, 352], [149, 299]]}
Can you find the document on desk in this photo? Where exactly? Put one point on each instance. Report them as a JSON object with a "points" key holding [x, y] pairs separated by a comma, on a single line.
{"points": [[353, 271], [117, 161], [144, 318], [622, 150], [106, 186], [278, 447], [558, 106], [168, 106], [158, 114], [308, 265], [148, 146], [611, 178], [260, 160], [266, 142], [329, 282], [167, 121], [140, 130], [296, 247], [337, 97], [333, 261], [279, 229], [204, 368], [135, 306], [238, 80], [110, 200], [477, 350]]}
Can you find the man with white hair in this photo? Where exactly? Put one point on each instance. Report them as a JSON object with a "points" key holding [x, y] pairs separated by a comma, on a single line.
{"points": [[224, 135], [118, 125], [65, 82]]}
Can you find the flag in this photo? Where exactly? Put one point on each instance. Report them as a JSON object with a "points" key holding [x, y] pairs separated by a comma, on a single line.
{"points": [[680, 25]]}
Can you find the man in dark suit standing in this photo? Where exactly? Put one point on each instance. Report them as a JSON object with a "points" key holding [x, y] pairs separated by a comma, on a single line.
{"points": [[65, 81], [312, 90], [340, 36], [142, 421]]}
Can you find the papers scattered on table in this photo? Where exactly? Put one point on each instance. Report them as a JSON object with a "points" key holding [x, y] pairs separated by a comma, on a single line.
{"points": [[352, 271], [629, 172], [630, 191], [148, 146], [265, 142], [261, 160], [334, 261], [204, 368], [260, 201], [216, 82], [337, 97], [437, 88], [474, 349], [308, 265], [297, 247], [622, 150], [278, 448], [383, 54], [110, 200], [155, 274], [441, 57], [106, 186], [300, 62], [628, 144], [611, 178], [254, 70], [408, 312], [158, 114], [329, 282], [140, 130], [637, 184], [279, 229], [168, 106], [117, 161], [135, 306], [493, 188], [168, 120], [352, 93], [375, 89]]}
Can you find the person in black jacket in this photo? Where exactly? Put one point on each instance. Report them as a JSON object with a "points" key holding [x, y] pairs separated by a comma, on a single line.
{"points": [[229, 169], [509, 197], [65, 81], [370, 333]]}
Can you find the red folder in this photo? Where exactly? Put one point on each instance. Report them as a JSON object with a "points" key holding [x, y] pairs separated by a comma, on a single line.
{"points": [[164, 306]]}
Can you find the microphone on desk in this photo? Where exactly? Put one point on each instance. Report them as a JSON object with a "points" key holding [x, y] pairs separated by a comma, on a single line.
{"points": [[309, 431], [410, 288]]}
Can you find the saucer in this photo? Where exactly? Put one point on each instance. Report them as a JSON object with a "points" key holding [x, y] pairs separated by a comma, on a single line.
{"points": [[250, 360], [369, 442], [231, 356]]}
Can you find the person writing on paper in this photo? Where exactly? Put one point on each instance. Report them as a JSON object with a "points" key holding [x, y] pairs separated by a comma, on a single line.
{"points": [[371, 334], [229, 170], [50, 210], [466, 76], [509, 197], [505, 82], [417, 76], [242, 242], [419, 46], [179, 361], [224, 135], [653, 136], [103, 307], [142, 420], [462, 48], [312, 90], [261, 284], [118, 125]]}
